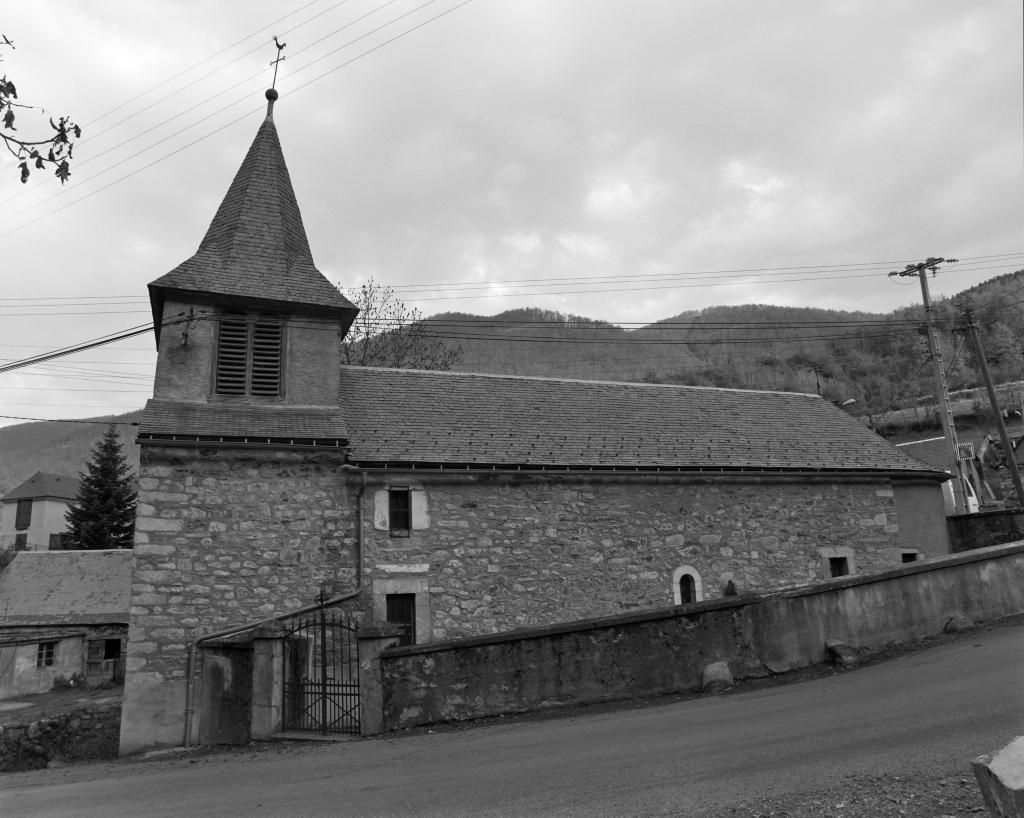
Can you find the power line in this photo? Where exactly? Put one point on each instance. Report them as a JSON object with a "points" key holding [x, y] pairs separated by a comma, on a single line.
{"points": [[61, 420], [245, 115]]}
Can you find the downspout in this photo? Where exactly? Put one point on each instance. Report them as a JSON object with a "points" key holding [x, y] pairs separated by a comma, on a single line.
{"points": [[194, 647]]}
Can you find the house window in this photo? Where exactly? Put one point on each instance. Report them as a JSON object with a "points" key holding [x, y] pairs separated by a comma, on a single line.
{"points": [[401, 611], [23, 516], [910, 556], [46, 654], [838, 566], [399, 511], [249, 355], [21, 542], [686, 586]]}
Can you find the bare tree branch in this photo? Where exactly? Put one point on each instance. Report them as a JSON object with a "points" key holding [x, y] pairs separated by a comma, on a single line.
{"points": [[55, 151], [387, 333]]}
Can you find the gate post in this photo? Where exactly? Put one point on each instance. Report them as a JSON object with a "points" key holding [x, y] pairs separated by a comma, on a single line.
{"points": [[373, 640], [267, 681]]}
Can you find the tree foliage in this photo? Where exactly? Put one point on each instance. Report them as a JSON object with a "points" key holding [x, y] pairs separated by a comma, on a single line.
{"points": [[387, 333], [55, 151], [103, 514]]}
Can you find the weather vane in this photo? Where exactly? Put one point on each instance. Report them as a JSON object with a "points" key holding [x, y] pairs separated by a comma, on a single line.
{"points": [[280, 48]]}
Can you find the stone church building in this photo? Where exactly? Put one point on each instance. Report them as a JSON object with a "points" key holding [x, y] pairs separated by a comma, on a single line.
{"points": [[453, 503]]}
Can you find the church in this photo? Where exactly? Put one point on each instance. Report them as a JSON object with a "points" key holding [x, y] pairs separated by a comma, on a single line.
{"points": [[450, 503]]}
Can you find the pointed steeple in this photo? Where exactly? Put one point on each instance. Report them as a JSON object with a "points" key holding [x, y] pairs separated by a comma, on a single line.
{"points": [[256, 247]]}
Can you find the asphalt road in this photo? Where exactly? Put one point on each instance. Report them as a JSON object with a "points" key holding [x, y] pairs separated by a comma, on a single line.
{"points": [[926, 713]]}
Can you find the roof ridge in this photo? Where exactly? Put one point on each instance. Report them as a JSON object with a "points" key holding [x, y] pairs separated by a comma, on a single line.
{"points": [[543, 378]]}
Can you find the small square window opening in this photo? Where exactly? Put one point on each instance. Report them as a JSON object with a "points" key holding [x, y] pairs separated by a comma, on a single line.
{"points": [[838, 566]]}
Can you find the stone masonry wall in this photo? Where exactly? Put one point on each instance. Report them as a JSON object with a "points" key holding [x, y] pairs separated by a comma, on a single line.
{"points": [[224, 537], [87, 733], [503, 552], [665, 651]]}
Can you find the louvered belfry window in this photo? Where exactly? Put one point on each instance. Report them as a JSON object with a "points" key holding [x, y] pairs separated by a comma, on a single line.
{"points": [[249, 355]]}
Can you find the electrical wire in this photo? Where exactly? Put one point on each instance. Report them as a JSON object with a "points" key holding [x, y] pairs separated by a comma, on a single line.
{"points": [[241, 100]]}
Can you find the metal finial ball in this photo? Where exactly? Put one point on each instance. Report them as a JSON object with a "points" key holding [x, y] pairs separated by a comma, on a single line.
{"points": [[271, 95]]}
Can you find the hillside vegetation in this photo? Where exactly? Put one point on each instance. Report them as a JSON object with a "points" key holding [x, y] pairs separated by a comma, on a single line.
{"points": [[879, 361], [58, 448]]}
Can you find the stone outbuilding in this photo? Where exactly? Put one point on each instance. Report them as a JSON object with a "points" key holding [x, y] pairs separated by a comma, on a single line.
{"points": [[63, 615], [453, 503]]}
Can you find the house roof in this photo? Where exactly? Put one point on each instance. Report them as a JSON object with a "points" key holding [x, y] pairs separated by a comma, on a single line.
{"points": [[256, 247], [66, 587], [408, 416], [932, 451], [204, 420], [43, 485]]}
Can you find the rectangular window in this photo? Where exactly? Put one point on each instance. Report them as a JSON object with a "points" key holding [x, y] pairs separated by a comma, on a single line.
{"points": [[910, 556], [838, 566], [249, 354], [401, 611], [23, 516], [46, 654], [21, 542], [399, 511]]}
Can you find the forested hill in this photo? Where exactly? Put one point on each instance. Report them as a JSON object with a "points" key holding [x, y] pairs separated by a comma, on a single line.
{"points": [[879, 361], [58, 448]]}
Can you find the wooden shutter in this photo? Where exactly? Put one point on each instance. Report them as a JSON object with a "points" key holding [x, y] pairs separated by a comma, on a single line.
{"points": [[23, 515], [266, 356], [232, 354]]}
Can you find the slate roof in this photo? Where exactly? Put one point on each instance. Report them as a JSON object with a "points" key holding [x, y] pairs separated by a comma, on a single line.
{"points": [[408, 416], [932, 451], [256, 245], [43, 485], [212, 420], [66, 588]]}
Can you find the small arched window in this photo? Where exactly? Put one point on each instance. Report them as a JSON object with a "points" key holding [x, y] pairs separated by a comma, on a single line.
{"points": [[249, 349], [686, 585]]}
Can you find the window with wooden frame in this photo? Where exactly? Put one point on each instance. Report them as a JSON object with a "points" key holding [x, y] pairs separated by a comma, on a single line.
{"points": [[23, 515], [399, 511], [46, 654], [250, 349]]}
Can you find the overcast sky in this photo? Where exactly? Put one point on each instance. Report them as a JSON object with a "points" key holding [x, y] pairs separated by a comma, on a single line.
{"points": [[621, 160]]}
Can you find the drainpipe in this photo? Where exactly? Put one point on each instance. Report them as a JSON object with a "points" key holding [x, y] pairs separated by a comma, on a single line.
{"points": [[206, 637]]}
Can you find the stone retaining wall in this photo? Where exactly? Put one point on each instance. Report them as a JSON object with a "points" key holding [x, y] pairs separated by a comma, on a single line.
{"points": [[665, 651], [88, 733], [970, 531]]}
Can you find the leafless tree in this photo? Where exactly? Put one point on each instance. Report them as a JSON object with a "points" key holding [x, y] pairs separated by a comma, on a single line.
{"points": [[387, 333]]}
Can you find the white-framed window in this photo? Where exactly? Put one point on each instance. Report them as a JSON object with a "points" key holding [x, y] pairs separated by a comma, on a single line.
{"points": [[250, 352], [46, 654], [400, 508], [686, 585]]}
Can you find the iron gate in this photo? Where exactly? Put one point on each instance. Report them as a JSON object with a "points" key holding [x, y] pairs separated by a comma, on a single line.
{"points": [[321, 667]]}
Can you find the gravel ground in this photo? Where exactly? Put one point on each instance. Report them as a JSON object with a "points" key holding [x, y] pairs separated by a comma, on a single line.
{"points": [[890, 796]]}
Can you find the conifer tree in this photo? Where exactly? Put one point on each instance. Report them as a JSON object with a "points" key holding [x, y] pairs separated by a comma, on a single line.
{"points": [[103, 514]]}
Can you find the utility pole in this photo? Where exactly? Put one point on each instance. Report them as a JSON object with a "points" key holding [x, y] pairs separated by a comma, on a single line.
{"points": [[972, 330], [945, 409]]}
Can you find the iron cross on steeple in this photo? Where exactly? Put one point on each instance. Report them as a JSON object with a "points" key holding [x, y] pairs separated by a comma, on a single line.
{"points": [[280, 48]]}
